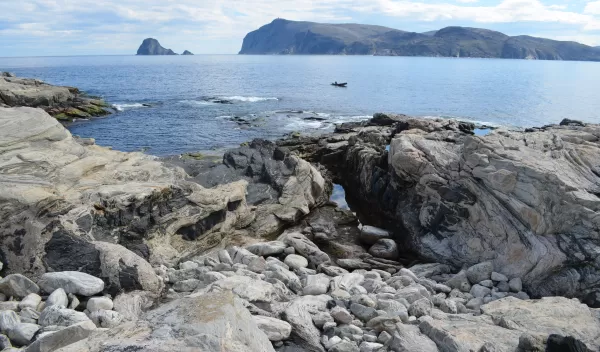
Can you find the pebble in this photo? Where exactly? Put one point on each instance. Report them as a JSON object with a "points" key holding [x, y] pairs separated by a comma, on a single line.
{"points": [[97, 303], [295, 261]]}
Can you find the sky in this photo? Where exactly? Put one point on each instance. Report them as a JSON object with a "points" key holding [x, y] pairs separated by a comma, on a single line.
{"points": [[117, 27]]}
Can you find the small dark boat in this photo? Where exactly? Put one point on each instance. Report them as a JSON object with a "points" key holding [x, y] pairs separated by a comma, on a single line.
{"points": [[339, 84]]}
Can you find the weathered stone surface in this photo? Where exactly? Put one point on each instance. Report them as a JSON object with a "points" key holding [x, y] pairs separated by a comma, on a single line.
{"points": [[527, 201], [370, 235], [61, 316], [212, 322], [32, 301], [97, 303], [410, 338], [61, 338], [8, 320], [275, 329], [306, 248], [247, 288], [480, 272], [385, 248], [131, 305], [67, 193], [295, 261], [267, 248], [17, 285], [23, 333], [420, 307], [72, 282], [106, 318], [298, 315], [316, 284]]}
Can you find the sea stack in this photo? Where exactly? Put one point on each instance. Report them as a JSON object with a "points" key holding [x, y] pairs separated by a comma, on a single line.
{"points": [[151, 46], [187, 53]]}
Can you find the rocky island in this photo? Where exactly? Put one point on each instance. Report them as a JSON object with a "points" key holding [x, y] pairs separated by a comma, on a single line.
{"points": [[151, 46], [292, 37], [455, 242], [187, 53]]}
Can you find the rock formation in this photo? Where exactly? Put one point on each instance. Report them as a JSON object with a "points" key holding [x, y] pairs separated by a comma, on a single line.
{"points": [[64, 103], [151, 46], [527, 201], [187, 53], [291, 37]]}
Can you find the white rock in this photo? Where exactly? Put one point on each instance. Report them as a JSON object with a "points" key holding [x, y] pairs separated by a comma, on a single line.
{"points": [[61, 316], [8, 320], [188, 265], [17, 285], [58, 298], [420, 307], [22, 333], [72, 282], [61, 338], [32, 301], [224, 257], [275, 329], [97, 303], [295, 261], [316, 284]]}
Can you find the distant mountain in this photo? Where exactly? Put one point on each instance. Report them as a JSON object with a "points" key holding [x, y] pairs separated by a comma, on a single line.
{"points": [[151, 46], [291, 37], [187, 53]]}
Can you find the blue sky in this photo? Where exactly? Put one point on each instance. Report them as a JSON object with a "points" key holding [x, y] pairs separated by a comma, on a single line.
{"points": [[111, 27]]}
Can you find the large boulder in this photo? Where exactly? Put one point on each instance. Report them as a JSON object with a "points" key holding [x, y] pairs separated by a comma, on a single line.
{"points": [[71, 282], [216, 322], [526, 201], [57, 194]]}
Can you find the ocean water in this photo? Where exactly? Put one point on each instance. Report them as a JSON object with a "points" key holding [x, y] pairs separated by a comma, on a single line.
{"points": [[175, 104]]}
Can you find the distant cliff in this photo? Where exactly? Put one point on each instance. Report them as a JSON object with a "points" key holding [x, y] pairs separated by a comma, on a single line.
{"points": [[151, 46], [291, 37], [187, 53]]}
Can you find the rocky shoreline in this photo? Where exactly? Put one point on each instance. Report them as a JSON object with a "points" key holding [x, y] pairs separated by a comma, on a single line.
{"points": [[64, 103], [449, 237]]}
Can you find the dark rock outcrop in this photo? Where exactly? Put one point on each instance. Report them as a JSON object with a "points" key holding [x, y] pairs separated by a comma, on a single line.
{"points": [[187, 53], [291, 37], [528, 202], [151, 46]]}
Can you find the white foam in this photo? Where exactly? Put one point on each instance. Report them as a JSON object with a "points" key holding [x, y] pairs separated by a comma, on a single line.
{"points": [[249, 99], [122, 107], [197, 102]]}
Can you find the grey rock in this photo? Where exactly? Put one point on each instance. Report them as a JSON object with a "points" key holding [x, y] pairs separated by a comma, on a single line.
{"points": [[250, 289], [480, 291], [275, 329], [188, 265], [131, 305], [9, 305], [393, 308], [515, 285], [29, 313], [345, 346], [384, 337], [370, 346], [187, 285], [522, 295], [412, 293], [459, 282], [420, 307], [321, 318], [72, 282], [503, 286], [480, 272], [61, 338], [370, 234], [23, 333], [106, 318], [295, 261], [58, 297], [363, 313], [257, 265], [61, 316], [224, 257], [498, 277], [306, 248], [341, 315], [346, 281], [4, 343], [410, 338], [8, 320], [385, 248], [383, 323], [475, 303], [487, 283], [267, 248], [17, 285], [97, 303], [32, 301], [353, 264], [298, 315], [316, 284], [449, 306], [74, 303], [332, 270]]}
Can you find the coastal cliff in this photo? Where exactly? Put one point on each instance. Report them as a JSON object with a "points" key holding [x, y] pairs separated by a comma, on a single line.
{"points": [[291, 37], [449, 236], [151, 46]]}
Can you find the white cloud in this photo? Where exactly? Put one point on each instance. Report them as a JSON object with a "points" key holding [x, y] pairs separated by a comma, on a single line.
{"points": [[592, 8], [467, 1]]}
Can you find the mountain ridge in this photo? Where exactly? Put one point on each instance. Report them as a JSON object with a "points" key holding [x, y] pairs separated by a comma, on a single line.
{"points": [[284, 37]]}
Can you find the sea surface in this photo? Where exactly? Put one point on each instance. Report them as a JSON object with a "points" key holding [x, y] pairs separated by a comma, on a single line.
{"points": [[173, 104]]}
